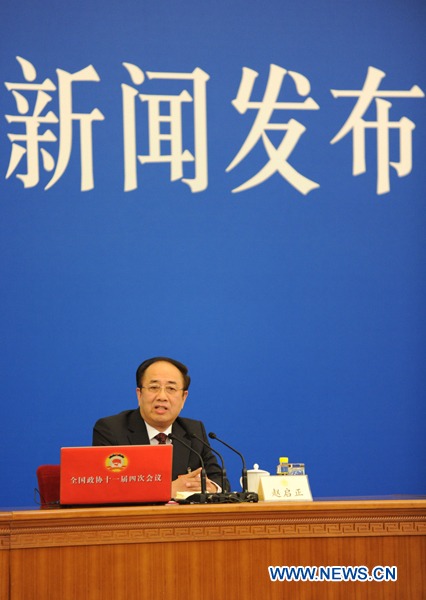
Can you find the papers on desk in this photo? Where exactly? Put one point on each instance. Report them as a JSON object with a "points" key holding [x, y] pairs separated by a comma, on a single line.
{"points": [[183, 495]]}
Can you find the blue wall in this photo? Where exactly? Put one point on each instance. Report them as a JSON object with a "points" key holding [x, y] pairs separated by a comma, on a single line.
{"points": [[301, 317]]}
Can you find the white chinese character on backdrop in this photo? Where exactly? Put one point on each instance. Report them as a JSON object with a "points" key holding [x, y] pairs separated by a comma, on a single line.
{"points": [[277, 156], [31, 138], [171, 132], [358, 125]]}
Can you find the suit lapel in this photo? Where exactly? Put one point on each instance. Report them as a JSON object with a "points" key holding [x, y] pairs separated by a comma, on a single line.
{"points": [[180, 453], [136, 432]]}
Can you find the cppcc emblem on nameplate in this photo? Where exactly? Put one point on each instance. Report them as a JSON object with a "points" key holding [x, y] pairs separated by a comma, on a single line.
{"points": [[116, 462]]}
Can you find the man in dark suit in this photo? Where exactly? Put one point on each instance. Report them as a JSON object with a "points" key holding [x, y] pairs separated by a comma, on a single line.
{"points": [[162, 388]]}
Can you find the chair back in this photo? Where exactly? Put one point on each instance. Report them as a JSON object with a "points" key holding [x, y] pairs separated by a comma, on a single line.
{"points": [[49, 483]]}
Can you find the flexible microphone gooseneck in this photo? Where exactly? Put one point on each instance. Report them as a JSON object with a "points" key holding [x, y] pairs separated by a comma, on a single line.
{"points": [[213, 436], [223, 478], [194, 497]]}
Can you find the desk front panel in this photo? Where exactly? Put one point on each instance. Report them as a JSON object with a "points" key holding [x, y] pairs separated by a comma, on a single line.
{"points": [[209, 552]]}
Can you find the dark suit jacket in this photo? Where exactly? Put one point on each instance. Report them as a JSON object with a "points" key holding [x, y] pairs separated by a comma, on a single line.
{"points": [[128, 428]]}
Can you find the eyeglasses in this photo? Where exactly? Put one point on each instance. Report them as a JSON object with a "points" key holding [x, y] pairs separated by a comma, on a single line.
{"points": [[171, 390]]}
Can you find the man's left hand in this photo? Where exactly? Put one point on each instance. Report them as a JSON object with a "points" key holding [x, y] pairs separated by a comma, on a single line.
{"points": [[191, 482]]}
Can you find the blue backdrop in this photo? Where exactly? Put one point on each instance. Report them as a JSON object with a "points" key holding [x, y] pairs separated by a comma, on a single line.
{"points": [[297, 303]]}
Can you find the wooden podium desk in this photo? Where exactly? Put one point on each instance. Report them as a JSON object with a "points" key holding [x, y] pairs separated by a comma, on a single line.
{"points": [[212, 552]]}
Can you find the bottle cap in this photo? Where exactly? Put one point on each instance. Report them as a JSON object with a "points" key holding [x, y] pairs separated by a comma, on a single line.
{"points": [[283, 459]]}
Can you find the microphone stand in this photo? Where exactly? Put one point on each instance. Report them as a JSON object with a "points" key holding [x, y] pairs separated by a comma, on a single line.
{"points": [[223, 496], [196, 497], [245, 495]]}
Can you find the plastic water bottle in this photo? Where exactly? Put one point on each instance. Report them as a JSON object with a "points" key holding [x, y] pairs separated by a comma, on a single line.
{"points": [[282, 468]]}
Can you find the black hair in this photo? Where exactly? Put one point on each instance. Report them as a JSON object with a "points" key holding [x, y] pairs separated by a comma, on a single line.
{"points": [[150, 361]]}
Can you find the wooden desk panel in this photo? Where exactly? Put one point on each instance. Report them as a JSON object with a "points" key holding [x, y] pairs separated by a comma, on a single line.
{"points": [[5, 518], [185, 552]]}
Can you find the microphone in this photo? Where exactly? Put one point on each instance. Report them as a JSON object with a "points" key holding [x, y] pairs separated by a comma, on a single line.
{"points": [[201, 498], [246, 495], [223, 479]]}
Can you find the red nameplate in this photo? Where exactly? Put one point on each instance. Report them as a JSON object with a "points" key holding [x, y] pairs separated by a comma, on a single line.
{"points": [[116, 474]]}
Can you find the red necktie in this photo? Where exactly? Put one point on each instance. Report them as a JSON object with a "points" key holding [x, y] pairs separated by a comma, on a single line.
{"points": [[161, 437]]}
